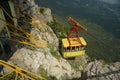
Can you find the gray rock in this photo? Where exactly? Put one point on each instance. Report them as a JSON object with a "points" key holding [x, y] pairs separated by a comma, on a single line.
{"points": [[45, 33], [47, 14], [99, 70], [32, 60], [27, 7]]}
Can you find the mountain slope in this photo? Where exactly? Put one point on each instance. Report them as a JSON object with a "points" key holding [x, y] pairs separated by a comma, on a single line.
{"points": [[97, 11]]}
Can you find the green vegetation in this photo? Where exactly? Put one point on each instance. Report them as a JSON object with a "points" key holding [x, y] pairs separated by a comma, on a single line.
{"points": [[57, 27], [75, 65], [42, 72], [101, 44], [41, 10], [55, 53], [60, 32], [10, 76]]}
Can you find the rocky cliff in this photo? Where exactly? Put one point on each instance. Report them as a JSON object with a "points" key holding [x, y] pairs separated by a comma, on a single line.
{"points": [[99, 70], [40, 60], [47, 61]]}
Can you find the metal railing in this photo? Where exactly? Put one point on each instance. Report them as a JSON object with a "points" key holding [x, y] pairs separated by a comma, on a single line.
{"points": [[12, 72]]}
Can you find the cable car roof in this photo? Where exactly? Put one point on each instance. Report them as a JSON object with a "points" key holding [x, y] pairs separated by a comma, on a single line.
{"points": [[74, 42]]}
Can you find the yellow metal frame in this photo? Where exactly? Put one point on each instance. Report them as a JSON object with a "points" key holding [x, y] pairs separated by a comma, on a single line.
{"points": [[30, 39], [26, 37], [19, 72]]}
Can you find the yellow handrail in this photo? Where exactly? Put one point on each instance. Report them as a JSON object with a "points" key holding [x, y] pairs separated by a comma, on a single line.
{"points": [[23, 74], [31, 40], [27, 38]]}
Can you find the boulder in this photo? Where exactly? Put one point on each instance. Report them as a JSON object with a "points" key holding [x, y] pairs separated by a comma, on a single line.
{"points": [[99, 70], [32, 60], [47, 14]]}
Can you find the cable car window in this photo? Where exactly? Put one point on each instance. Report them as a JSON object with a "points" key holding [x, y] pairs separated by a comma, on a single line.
{"points": [[68, 49], [77, 48], [73, 48], [82, 48], [65, 49]]}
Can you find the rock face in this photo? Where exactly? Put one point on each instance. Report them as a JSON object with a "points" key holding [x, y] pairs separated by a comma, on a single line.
{"points": [[32, 60], [42, 31], [27, 7], [45, 33], [47, 14], [98, 70]]}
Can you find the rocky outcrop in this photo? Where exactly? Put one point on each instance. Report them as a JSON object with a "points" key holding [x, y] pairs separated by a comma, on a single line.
{"points": [[45, 33], [32, 60], [47, 14], [99, 70], [27, 7], [39, 27]]}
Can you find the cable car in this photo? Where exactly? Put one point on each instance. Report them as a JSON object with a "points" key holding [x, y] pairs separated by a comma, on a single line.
{"points": [[73, 45]]}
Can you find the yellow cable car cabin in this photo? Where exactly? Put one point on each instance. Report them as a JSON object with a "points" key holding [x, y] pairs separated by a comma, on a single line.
{"points": [[73, 45], [75, 50]]}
